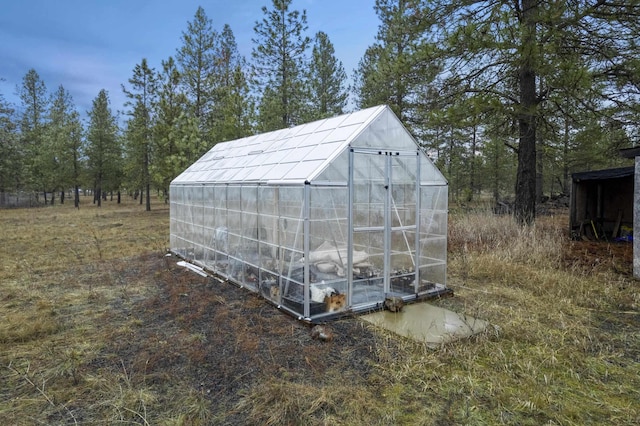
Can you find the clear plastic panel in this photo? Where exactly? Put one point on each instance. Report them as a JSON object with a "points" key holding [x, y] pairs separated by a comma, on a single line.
{"points": [[432, 277], [433, 237], [433, 220], [220, 237], [328, 215], [368, 267], [234, 223], [403, 205], [268, 221], [323, 151], [403, 262], [404, 169], [385, 132], [337, 171], [429, 173], [369, 191], [433, 249]]}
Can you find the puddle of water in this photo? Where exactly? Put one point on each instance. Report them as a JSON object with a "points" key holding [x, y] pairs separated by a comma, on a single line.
{"points": [[427, 323]]}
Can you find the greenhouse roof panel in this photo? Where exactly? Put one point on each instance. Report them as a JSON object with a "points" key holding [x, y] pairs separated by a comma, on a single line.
{"points": [[301, 153], [300, 171], [275, 173], [322, 151], [309, 128], [292, 142]]}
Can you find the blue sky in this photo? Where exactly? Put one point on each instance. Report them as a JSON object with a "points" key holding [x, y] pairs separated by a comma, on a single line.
{"points": [[88, 45]]}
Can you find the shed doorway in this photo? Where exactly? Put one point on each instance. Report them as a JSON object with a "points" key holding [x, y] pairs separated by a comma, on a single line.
{"points": [[384, 224]]}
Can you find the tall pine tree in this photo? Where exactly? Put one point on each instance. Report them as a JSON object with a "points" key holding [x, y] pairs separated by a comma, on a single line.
{"points": [[196, 60], [327, 81], [143, 96], [399, 67], [519, 58], [103, 151], [10, 154], [170, 158], [35, 102], [233, 111], [279, 50], [64, 143]]}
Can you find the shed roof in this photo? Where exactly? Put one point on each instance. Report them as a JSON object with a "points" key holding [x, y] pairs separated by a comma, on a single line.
{"points": [[604, 174], [302, 153], [630, 152]]}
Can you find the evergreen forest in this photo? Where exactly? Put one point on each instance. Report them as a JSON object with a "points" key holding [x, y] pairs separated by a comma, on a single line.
{"points": [[508, 98]]}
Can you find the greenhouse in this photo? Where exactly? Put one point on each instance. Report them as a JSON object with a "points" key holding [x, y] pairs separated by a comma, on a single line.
{"points": [[321, 219]]}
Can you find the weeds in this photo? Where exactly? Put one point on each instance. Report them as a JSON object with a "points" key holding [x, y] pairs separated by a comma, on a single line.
{"points": [[39, 384]]}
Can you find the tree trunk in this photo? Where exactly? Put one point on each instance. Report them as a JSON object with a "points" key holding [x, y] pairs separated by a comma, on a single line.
{"points": [[147, 178], [565, 158], [472, 171], [539, 174], [61, 197], [148, 206], [99, 190], [525, 202], [76, 197], [118, 197], [496, 183]]}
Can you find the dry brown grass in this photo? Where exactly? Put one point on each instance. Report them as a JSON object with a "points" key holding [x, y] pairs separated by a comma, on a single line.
{"points": [[98, 327], [563, 352]]}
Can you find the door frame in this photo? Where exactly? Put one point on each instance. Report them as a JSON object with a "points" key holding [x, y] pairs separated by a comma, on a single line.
{"points": [[387, 227]]}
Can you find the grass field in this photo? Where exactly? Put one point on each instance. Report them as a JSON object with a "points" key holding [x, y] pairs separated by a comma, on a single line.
{"points": [[97, 326]]}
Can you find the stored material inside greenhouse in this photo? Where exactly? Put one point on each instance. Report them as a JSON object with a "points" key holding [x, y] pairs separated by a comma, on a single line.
{"points": [[321, 219]]}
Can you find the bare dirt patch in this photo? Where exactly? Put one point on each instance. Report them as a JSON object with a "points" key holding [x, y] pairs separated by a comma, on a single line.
{"points": [[221, 341]]}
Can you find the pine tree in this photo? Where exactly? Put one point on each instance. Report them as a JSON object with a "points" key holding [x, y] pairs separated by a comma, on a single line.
{"points": [[327, 81], [523, 57], [279, 63], [143, 97], [75, 147], [63, 143], [34, 97], [169, 160], [10, 155], [197, 65], [371, 84], [103, 150], [233, 111], [399, 67]]}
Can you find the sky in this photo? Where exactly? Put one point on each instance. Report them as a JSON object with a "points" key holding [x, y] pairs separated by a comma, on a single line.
{"points": [[89, 45]]}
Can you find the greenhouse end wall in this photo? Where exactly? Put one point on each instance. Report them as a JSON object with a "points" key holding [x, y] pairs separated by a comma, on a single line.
{"points": [[289, 243]]}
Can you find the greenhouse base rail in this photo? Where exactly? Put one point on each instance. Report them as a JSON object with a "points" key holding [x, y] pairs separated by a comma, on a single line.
{"points": [[329, 316]]}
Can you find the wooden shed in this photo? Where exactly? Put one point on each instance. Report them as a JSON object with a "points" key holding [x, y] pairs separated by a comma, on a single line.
{"points": [[602, 203]]}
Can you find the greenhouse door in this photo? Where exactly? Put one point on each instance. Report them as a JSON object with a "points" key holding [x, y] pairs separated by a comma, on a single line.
{"points": [[383, 224]]}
